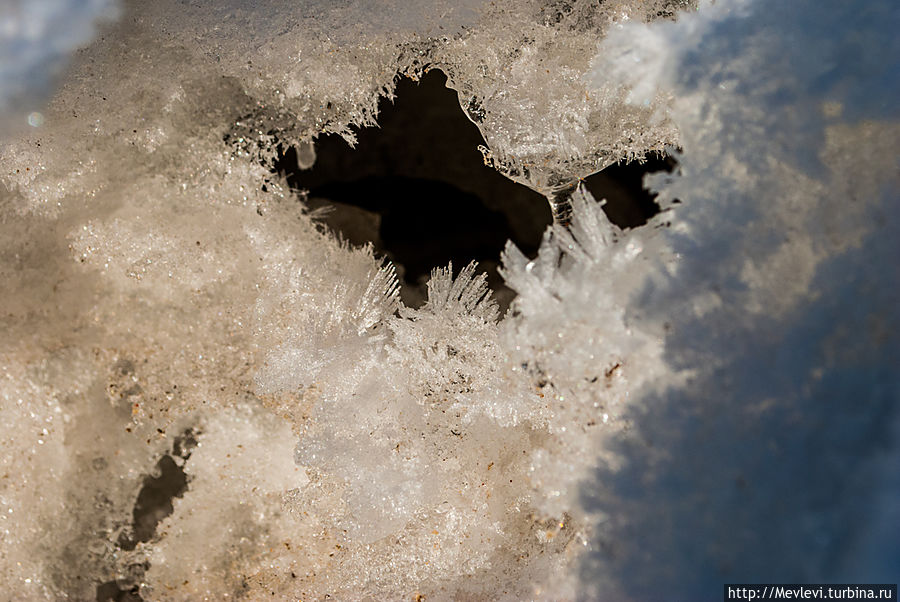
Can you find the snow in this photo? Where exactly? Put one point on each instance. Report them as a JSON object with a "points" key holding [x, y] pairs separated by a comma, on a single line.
{"points": [[708, 398]]}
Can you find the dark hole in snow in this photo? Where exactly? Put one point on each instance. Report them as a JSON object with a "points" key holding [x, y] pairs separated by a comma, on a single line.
{"points": [[424, 224], [154, 501], [153, 504], [110, 592], [416, 187], [628, 204]]}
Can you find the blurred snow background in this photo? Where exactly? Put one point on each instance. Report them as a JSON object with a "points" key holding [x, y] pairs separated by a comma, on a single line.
{"points": [[36, 39], [776, 461], [708, 398]]}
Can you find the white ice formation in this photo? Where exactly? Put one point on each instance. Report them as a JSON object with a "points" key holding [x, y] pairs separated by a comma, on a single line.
{"points": [[709, 398]]}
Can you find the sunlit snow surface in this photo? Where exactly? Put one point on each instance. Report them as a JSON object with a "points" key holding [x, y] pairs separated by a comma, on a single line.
{"points": [[709, 398]]}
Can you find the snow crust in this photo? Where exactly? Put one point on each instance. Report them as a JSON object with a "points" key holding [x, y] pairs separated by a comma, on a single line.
{"points": [[709, 398]]}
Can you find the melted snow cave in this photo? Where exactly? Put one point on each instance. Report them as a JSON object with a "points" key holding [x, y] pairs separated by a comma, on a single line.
{"points": [[416, 187]]}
